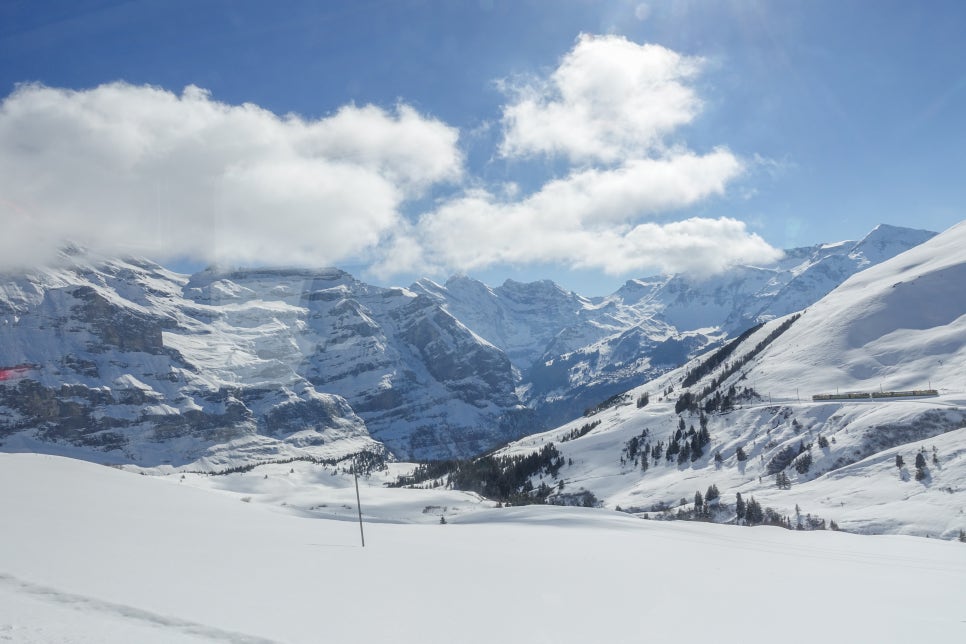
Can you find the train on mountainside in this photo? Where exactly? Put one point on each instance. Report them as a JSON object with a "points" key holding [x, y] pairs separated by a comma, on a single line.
{"points": [[876, 395]]}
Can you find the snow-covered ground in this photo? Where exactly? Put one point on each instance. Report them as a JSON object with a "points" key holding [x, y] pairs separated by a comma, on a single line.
{"points": [[898, 326], [853, 481], [94, 554]]}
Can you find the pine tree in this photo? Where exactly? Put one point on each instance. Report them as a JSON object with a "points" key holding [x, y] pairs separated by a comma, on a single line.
{"points": [[712, 494], [753, 512], [803, 463], [822, 441], [684, 454], [739, 507], [899, 461], [704, 437], [782, 481], [696, 451], [920, 466], [740, 454]]}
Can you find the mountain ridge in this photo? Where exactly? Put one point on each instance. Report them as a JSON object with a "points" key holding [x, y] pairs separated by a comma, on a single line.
{"points": [[154, 366], [890, 460]]}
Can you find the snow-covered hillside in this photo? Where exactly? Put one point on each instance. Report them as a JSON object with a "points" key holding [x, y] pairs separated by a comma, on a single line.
{"points": [[572, 352], [896, 327], [124, 361], [92, 554]]}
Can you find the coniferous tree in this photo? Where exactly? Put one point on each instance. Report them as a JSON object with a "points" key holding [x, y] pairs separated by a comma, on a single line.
{"points": [[739, 507], [712, 493], [822, 441], [704, 437], [740, 454], [899, 461], [803, 463], [673, 448], [685, 453], [782, 481], [753, 512], [696, 451], [920, 466]]}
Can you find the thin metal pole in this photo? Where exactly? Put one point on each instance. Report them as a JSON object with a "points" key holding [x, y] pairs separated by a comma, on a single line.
{"points": [[355, 473]]}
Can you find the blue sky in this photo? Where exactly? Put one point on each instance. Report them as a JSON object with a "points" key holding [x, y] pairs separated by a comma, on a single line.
{"points": [[781, 123]]}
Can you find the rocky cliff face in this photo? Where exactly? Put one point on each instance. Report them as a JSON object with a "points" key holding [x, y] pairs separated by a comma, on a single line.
{"points": [[154, 367], [573, 352], [132, 362], [105, 374]]}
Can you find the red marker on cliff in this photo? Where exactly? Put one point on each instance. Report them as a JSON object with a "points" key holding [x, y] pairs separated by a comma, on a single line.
{"points": [[9, 373]]}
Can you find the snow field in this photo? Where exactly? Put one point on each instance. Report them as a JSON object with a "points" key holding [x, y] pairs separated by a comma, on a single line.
{"points": [[93, 554]]}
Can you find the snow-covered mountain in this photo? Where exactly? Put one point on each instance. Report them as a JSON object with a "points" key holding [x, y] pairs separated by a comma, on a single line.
{"points": [[125, 361], [424, 383], [119, 365], [742, 417], [145, 365], [572, 352]]}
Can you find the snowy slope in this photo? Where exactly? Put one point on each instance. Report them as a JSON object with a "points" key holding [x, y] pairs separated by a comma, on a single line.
{"points": [[93, 554], [425, 385], [128, 362], [572, 352], [122, 368], [898, 326], [124, 361]]}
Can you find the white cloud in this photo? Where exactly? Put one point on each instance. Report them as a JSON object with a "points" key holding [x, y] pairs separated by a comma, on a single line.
{"points": [[609, 99], [590, 220], [136, 169], [125, 169], [610, 108]]}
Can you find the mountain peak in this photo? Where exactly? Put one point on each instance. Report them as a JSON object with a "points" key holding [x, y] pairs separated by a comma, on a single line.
{"points": [[885, 241]]}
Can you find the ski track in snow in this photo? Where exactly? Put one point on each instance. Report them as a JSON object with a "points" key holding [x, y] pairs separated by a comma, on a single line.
{"points": [[85, 603]]}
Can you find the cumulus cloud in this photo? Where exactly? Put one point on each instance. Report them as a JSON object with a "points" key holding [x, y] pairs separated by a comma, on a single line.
{"points": [[609, 99], [588, 220], [137, 169], [124, 169], [609, 108]]}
